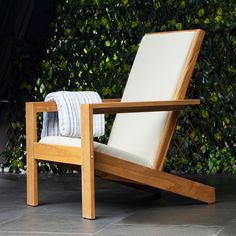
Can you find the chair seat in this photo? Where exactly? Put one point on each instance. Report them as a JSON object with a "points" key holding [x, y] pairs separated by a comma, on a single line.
{"points": [[98, 147]]}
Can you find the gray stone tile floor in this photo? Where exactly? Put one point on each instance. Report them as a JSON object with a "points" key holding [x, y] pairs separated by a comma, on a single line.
{"points": [[121, 210]]}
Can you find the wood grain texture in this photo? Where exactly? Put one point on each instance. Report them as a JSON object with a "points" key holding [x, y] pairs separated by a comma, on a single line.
{"points": [[128, 107], [182, 87], [87, 167], [124, 107], [43, 106], [154, 178], [111, 100], [57, 153], [32, 169]]}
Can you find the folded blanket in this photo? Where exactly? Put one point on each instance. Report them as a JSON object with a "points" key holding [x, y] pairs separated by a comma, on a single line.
{"points": [[66, 122]]}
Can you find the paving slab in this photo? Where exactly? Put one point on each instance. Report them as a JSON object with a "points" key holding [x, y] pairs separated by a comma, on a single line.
{"points": [[147, 230], [120, 209]]}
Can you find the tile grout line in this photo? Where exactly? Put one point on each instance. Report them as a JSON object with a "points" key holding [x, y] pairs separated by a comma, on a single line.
{"points": [[165, 225], [219, 232], [8, 221], [112, 223]]}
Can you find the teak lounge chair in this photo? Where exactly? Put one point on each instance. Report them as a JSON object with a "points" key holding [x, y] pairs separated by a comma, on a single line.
{"points": [[140, 138]]}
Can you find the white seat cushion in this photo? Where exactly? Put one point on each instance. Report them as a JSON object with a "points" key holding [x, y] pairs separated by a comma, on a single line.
{"points": [[98, 147]]}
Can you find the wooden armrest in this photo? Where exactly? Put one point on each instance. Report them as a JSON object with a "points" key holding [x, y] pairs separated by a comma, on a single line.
{"points": [[127, 107], [42, 106], [122, 107]]}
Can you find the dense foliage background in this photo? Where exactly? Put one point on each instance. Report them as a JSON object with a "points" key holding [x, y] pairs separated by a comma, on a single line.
{"points": [[92, 47]]}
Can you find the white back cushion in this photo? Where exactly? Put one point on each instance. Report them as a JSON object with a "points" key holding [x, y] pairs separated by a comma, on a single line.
{"points": [[154, 76]]}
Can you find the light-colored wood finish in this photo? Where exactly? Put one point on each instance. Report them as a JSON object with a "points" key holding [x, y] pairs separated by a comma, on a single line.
{"points": [[44, 106], [111, 100], [154, 178], [128, 107], [57, 153], [179, 94], [87, 167], [107, 166], [32, 170]]}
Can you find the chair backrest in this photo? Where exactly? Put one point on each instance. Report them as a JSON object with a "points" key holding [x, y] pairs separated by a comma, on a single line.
{"points": [[161, 71]]}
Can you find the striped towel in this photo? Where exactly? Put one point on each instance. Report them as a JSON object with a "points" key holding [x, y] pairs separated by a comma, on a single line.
{"points": [[66, 122]]}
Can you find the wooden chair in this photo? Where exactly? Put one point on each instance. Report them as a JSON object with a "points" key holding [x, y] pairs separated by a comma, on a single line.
{"points": [[140, 137]]}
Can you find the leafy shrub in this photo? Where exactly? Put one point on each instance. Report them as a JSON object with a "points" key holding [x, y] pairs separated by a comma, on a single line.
{"points": [[93, 45]]}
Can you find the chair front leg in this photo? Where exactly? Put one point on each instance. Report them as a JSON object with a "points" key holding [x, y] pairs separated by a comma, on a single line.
{"points": [[87, 166], [32, 181], [32, 165]]}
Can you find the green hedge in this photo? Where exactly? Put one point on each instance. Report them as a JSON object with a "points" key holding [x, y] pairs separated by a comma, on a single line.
{"points": [[93, 45]]}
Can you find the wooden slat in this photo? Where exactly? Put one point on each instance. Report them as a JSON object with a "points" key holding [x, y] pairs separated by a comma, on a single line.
{"points": [[183, 84], [128, 107], [57, 153], [154, 178], [87, 167]]}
